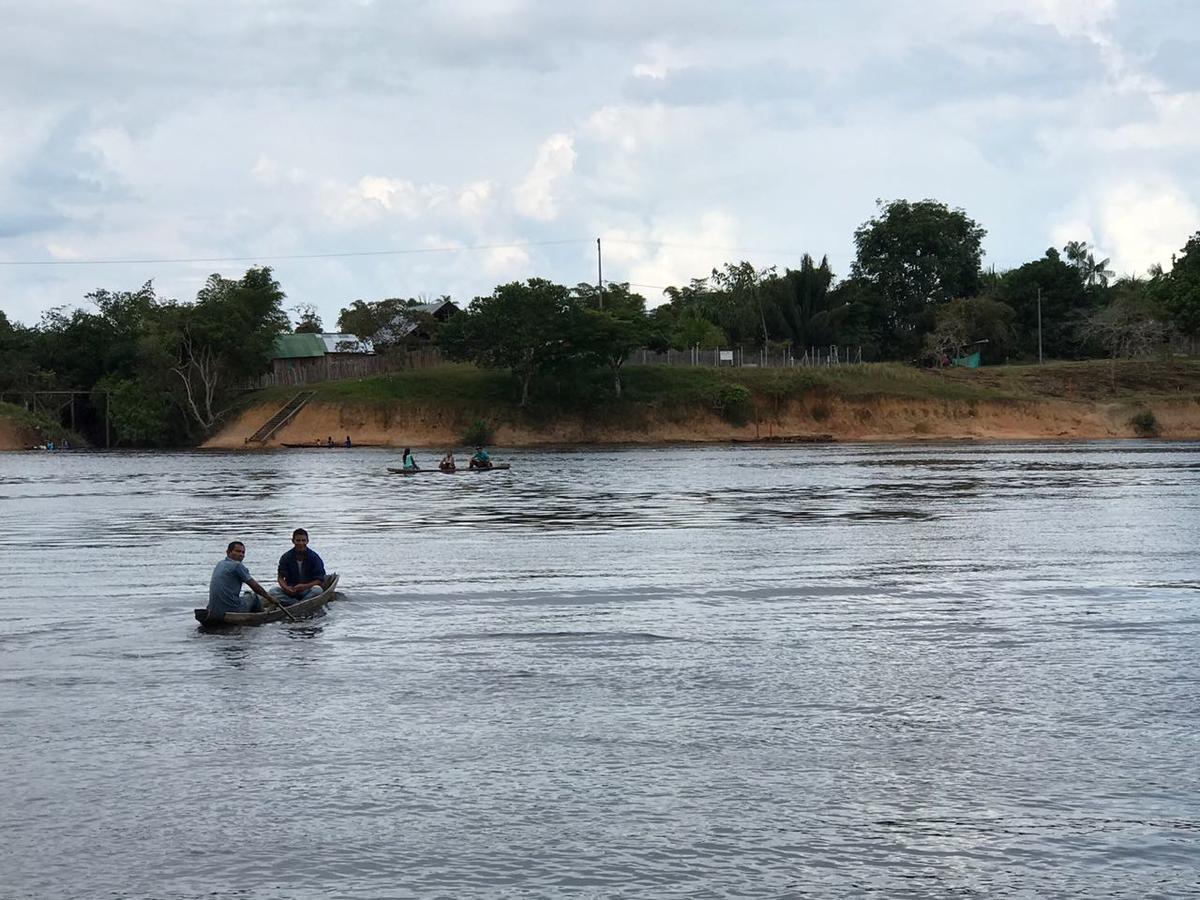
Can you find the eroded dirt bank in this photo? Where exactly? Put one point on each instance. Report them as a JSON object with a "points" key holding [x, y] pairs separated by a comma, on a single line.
{"points": [[838, 418], [14, 436]]}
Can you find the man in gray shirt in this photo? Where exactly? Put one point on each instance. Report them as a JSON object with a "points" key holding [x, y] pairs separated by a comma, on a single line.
{"points": [[225, 587]]}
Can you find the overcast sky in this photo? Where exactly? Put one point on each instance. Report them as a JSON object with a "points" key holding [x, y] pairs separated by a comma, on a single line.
{"points": [[494, 140]]}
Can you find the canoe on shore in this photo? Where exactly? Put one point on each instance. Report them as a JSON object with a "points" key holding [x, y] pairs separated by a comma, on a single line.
{"points": [[303, 610], [461, 470]]}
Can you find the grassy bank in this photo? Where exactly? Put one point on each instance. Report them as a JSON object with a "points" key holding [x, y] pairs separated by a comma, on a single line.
{"points": [[442, 406], [474, 391]]}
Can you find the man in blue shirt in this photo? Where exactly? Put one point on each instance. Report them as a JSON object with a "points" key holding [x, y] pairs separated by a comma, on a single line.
{"points": [[301, 572], [225, 586], [480, 460]]}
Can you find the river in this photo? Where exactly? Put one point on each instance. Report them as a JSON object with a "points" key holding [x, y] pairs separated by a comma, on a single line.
{"points": [[943, 670]]}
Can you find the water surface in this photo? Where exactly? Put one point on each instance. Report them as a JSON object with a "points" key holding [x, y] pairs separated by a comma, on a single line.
{"points": [[898, 671]]}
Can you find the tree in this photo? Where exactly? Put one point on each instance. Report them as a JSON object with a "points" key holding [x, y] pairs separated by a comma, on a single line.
{"points": [[1065, 305], [309, 322], [526, 328], [918, 255], [1133, 325], [1091, 272], [1179, 289], [969, 321], [610, 334], [740, 311], [224, 337]]}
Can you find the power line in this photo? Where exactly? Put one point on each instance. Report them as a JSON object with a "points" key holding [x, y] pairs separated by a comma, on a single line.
{"points": [[291, 256], [405, 251], [674, 246]]}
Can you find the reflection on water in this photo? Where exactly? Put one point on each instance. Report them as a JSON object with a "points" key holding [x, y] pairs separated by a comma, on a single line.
{"points": [[822, 670]]}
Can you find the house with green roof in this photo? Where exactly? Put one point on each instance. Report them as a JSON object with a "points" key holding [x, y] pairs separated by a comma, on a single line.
{"points": [[303, 357]]}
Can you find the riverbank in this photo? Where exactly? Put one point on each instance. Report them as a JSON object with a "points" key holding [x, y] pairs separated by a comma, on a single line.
{"points": [[435, 408], [20, 429]]}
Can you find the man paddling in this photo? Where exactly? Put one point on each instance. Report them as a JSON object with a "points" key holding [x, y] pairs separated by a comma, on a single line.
{"points": [[225, 586], [301, 572], [480, 459]]}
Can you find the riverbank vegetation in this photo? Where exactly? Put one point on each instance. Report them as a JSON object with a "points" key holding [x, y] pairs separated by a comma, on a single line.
{"points": [[165, 372]]}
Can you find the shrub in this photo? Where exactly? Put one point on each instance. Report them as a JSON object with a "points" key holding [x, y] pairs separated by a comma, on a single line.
{"points": [[820, 411], [1145, 424], [479, 433], [734, 403]]}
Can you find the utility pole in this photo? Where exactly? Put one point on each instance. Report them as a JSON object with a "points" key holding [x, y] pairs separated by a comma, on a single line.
{"points": [[1039, 326], [599, 274]]}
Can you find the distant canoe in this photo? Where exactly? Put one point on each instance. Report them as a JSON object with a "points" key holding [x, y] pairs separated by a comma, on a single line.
{"points": [[328, 446], [461, 470], [305, 609]]}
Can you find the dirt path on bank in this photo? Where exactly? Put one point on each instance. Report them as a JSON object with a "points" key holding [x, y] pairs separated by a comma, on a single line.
{"points": [[836, 418]]}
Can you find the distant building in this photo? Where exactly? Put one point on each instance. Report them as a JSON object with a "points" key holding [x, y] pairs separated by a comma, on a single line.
{"points": [[414, 322], [298, 358]]}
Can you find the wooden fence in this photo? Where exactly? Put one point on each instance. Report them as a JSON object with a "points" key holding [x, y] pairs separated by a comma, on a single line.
{"points": [[738, 357], [334, 367]]}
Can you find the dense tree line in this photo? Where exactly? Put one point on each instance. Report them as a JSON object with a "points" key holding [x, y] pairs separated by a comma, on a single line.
{"points": [[162, 371], [916, 291]]}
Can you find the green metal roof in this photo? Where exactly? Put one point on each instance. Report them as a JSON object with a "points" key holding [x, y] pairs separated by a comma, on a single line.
{"points": [[298, 346]]}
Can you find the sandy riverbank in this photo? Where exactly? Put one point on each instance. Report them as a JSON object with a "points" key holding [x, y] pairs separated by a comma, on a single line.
{"points": [[842, 419]]}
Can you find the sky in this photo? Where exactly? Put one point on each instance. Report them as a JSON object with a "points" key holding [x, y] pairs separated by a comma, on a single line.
{"points": [[368, 149]]}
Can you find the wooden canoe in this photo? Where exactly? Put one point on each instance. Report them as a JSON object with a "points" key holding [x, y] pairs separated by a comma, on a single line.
{"points": [[459, 471], [303, 610]]}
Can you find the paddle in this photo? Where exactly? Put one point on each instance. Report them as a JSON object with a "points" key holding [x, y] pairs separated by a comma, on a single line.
{"points": [[286, 611]]}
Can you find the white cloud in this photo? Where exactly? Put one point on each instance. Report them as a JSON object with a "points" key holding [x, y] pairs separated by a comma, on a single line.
{"points": [[58, 251], [1072, 18], [685, 250], [506, 263], [475, 199], [1145, 222], [660, 59], [535, 197]]}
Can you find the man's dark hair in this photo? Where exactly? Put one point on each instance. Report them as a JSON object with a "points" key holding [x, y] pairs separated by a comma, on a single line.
{"points": [[233, 544], [299, 531]]}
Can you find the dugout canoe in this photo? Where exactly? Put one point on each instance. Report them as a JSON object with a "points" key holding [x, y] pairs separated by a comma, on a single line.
{"points": [[305, 609], [461, 470]]}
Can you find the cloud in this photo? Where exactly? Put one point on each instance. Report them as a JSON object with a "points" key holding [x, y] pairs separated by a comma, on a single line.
{"points": [[1145, 222], [535, 196], [673, 253], [506, 263]]}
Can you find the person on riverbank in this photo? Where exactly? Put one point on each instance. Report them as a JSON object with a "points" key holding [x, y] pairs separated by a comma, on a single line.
{"points": [[301, 572], [480, 459], [447, 464], [225, 586], [407, 462]]}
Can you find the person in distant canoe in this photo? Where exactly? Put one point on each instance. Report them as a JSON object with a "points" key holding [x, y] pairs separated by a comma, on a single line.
{"points": [[447, 464], [480, 459], [329, 440], [301, 572], [407, 462], [225, 586], [348, 440]]}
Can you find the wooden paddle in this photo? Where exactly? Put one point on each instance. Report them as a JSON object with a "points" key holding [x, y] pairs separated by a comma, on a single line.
{"points": [[286, 611]]}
